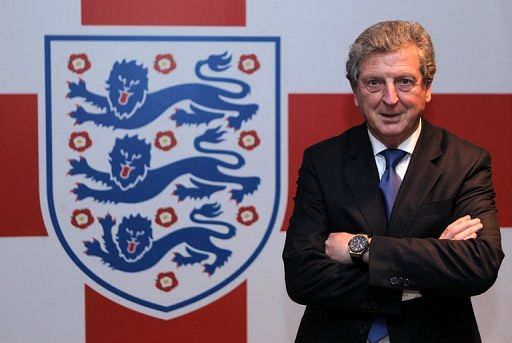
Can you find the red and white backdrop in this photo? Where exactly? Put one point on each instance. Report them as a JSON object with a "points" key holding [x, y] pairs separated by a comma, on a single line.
{"points": [[50, 294]]}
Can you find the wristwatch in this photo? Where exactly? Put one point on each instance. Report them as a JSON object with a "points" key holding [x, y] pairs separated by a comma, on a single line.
{"points": [[357, 246]]}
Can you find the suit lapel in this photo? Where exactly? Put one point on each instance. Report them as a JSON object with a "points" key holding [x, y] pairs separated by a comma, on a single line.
{"points": [[361, 175], [422, 174]]}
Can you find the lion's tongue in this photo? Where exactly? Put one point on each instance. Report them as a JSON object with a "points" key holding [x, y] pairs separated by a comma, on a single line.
{"points": [[125, 172], [132, 246], [123, 98]]}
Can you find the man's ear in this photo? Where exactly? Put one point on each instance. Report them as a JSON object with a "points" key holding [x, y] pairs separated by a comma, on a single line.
{"points": [[356, 102], [428, 95]]}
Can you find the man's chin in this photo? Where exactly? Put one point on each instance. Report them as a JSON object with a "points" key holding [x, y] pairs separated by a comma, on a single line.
{"points": [[390, 136], [392, 130]]}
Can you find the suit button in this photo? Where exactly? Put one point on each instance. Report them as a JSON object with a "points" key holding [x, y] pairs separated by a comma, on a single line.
{"points": [[364, 330], [406, 282], [395, 281]]}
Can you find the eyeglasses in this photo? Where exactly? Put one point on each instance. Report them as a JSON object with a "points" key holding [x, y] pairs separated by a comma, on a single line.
{"points": [[376, 85]]}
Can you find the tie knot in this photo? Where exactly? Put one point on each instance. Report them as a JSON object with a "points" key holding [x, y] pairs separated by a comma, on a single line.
{"points": [[392, 157]]}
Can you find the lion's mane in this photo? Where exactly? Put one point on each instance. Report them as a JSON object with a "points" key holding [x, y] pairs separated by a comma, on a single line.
{"points": [[127, 86], [129, 153], [135, 229]]}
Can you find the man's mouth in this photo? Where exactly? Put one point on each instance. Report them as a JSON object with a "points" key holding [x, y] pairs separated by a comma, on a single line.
{"points": [[390, 115]]}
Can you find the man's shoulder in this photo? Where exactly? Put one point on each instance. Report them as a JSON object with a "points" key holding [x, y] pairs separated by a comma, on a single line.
{"points": [[451, 148], [452, 142], [340, 142]]}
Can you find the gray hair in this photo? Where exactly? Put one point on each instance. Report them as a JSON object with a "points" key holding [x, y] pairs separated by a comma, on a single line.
{"points": [[389, 36]]}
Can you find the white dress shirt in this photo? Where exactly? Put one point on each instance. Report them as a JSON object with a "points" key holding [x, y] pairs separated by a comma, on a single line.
{"points": [[401, 168], [408, 146]]}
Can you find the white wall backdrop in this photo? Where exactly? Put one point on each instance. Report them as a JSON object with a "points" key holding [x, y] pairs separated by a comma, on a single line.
{"points": [[41, 291]]}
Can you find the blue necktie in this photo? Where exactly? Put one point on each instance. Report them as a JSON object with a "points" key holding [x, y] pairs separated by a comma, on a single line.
{"points": [[389, 186], [390, 182]]}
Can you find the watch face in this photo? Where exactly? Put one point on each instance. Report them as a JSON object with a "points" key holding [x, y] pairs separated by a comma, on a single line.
{"points": [[358, 243]]}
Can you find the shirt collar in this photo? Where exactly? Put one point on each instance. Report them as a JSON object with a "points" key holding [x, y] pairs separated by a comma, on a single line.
{"points": [[407, 145]]}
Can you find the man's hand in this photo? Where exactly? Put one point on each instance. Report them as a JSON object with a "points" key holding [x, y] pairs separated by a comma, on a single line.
{"points": [[462, 229], [336, 247]]}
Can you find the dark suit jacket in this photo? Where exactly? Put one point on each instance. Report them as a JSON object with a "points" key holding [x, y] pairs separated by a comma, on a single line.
{"points": [[337, 191]]}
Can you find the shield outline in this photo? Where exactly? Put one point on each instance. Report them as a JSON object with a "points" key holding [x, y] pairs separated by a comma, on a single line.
{"points": [[48, 179]]}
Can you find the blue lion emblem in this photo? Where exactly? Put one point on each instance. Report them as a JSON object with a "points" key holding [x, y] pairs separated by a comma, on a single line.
{"points": [[132, 248], [131, 180], [128, 104]]}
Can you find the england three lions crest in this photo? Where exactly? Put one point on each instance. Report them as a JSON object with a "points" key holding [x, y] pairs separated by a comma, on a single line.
{"points": [[162, 163]]}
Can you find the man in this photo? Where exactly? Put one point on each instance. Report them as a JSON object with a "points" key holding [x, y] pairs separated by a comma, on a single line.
{"points": [[394, 226]]}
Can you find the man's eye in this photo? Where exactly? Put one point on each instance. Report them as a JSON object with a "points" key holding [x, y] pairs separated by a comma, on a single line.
{"points": [[373, 85], [406, 84], [405, 81]]}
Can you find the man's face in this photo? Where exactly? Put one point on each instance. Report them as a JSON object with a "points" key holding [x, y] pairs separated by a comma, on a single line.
{"points": [[391, 95]]}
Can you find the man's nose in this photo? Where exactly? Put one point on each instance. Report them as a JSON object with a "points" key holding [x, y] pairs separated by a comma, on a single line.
{"points": [[389, 96]]}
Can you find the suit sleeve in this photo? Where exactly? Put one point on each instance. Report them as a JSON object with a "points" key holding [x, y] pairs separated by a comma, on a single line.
{"points": [[312, 278], [446, 267]]}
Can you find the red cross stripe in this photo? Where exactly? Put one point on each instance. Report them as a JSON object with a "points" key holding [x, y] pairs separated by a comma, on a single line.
{"points": [[156, 12], [483, 119], [224, 320], [20, 211]]}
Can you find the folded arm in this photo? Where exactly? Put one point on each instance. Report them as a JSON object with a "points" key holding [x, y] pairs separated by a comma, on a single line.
{"points": [[463, 260], [447, 265]]}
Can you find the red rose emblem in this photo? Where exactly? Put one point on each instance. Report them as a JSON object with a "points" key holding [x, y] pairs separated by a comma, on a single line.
{"points": [[248, 140], [248, 63], [165, 63], [166, 281], [79, 63], [166, 217], [247, 215], [82, 218], [80, 141], [165, 140]]}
